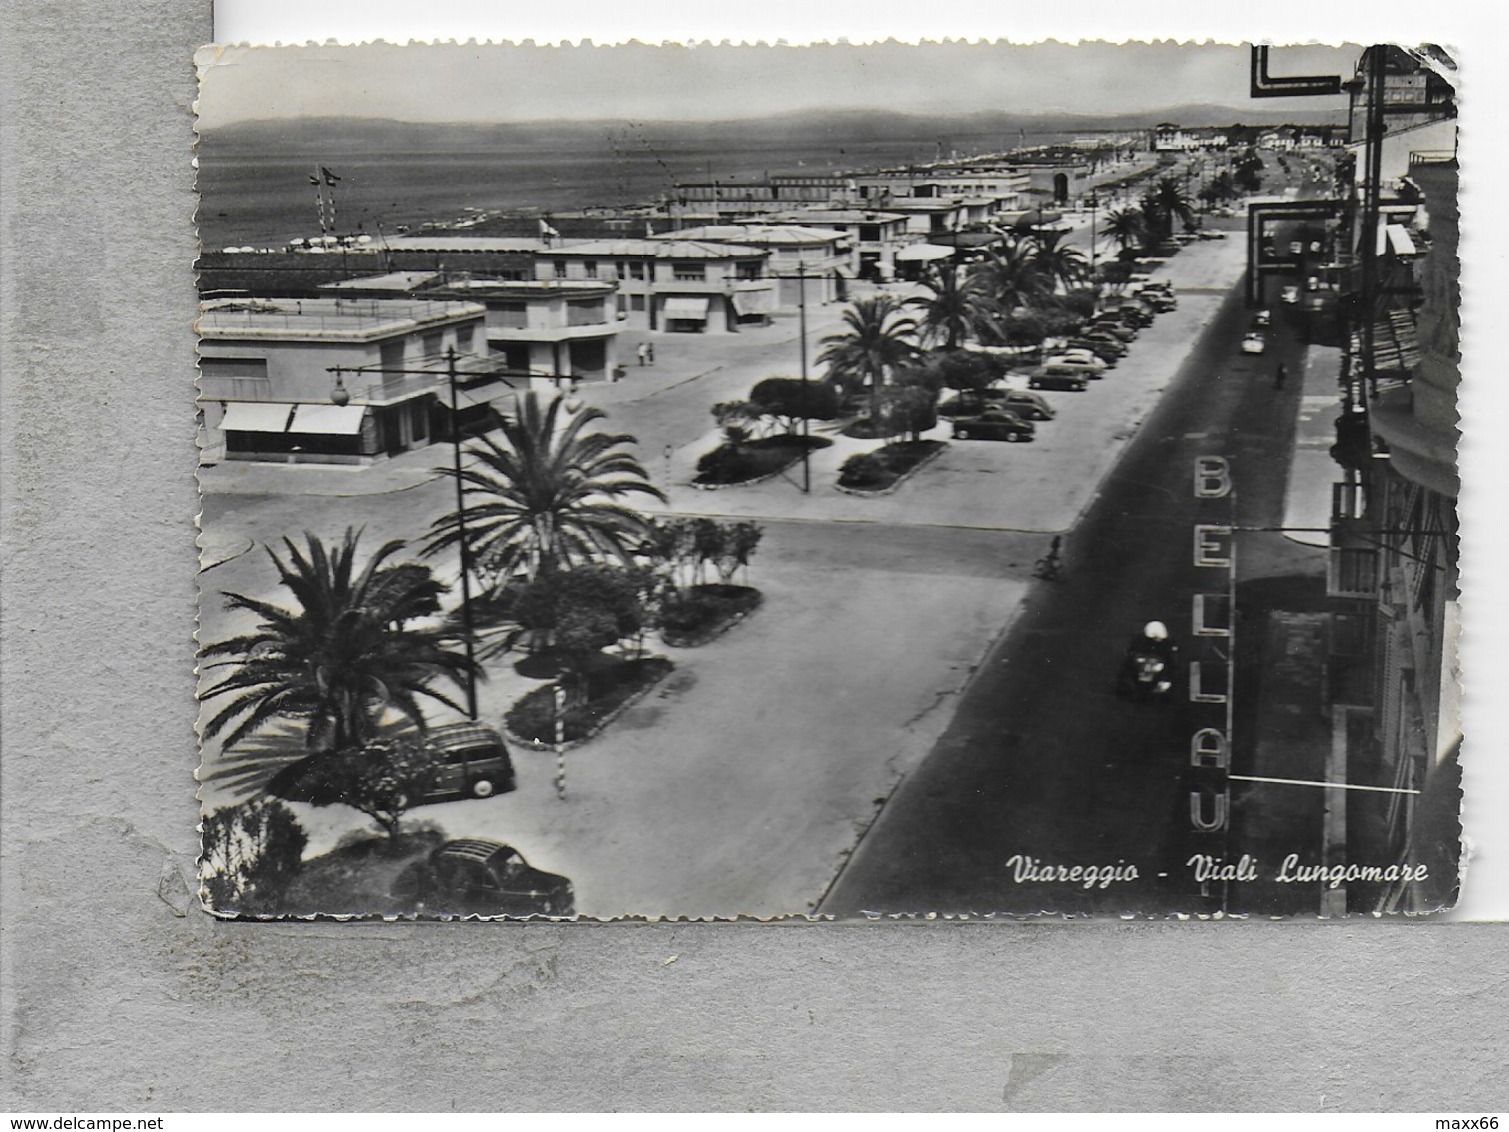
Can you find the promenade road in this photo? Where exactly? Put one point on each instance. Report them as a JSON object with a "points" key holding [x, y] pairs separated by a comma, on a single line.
{"points": [[741, 784]]}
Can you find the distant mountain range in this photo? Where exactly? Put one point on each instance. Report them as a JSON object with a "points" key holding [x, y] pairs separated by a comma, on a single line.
{"points": [[334, 135]]}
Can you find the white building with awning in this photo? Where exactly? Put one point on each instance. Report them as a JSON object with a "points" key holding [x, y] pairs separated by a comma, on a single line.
{"points": [[660, 281], [334, 380]]}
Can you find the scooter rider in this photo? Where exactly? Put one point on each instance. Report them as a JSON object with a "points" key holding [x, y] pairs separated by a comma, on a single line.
{"points": [[1153, 641]]}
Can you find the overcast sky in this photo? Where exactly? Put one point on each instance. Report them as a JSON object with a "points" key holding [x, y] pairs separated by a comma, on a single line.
{"points": [[502, 83]]}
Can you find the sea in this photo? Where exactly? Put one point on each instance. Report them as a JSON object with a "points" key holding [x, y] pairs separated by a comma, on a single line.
{"points": [[264, 198]]}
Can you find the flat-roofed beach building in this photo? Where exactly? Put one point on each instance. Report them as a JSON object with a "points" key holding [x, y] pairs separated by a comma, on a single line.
{"points": [[268, 391], [685, 286], [557, 328], [874, 237], [824, 256]]}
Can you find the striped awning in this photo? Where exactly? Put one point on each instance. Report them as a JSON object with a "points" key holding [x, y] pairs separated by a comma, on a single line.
{"points": [[690, 308], [256, 416], [328, 420]]}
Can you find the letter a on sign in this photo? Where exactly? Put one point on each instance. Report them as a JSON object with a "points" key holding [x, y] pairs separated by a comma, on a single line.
{"points": [[1212, 477]]}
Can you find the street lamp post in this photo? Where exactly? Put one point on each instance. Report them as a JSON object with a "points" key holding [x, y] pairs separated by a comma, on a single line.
{"points": [[801, 307], [341, 396]]}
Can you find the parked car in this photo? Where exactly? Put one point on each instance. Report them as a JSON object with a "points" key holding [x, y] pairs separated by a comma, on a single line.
{"points": [[1160, 300], [1114, 327], [1296, 248], [1254, 343], [1027, 405], [473, 876], [1262, 318], [1108, 352], [1104, 337], [1073, 382], [1312, 283], [1136, 314], [1212, 234], [1289, 294], [995, 423], [1089, 365], [474, 763]]}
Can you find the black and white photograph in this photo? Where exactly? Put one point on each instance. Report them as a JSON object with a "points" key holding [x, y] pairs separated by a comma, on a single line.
{"points": [[842, 482]]}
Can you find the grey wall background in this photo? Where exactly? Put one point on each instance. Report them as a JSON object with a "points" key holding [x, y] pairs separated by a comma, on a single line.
{"points": [[115, 994]]}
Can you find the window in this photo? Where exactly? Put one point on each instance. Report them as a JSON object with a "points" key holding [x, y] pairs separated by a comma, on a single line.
{"points": [[636, 302], [560, 269], [636, 271], [621, 269], [690, 273], [465, 339], [391, 354], [234, 379], [589, 268], [585, 313], [511, 314], [870, 233], [751, 270], [433, 343]]}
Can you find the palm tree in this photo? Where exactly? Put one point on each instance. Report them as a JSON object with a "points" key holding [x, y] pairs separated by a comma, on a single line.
{"points": [[343, 655], [1126, 226], [546, 497], [1056, 262], [874, 343], [1011, 276], [956, 307], [1174, 202]]}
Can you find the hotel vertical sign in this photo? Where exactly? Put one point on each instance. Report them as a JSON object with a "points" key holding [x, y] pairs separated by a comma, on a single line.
{"points": [[1212, 671]]}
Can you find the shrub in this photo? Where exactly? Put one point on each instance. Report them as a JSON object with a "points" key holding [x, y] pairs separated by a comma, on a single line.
{"points": [[250, 854], [884, 466], [532, 717]]}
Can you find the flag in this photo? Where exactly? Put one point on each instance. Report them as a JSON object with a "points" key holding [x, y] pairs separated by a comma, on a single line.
{"points": [[547, 232], [330, 178], [314, 181]]}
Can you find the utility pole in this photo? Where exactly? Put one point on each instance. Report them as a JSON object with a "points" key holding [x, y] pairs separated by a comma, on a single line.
{"points": [[801, 307], [340, 397]]}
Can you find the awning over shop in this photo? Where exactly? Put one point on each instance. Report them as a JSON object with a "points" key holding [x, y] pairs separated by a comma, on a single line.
{"points": [[688, 308], [256, 416], [329, 420], [922, 253], [753, 302], [1399, 241]]}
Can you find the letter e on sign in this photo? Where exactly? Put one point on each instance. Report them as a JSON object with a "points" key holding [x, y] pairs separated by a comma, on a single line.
{"points": [[1212, 477], [1210, 545]]}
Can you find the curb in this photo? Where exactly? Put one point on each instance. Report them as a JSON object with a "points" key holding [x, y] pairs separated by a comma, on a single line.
{"points": [[901, 479], [597, 728]]}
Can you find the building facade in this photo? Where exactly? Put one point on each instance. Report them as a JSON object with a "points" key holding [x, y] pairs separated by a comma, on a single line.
{"points": [[326, 380]]}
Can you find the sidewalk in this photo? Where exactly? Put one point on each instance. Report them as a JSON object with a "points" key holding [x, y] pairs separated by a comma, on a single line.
{"points": [[1307, 500]]}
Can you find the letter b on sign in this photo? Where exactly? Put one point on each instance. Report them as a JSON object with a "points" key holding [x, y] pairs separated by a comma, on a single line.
{"points": [[1212, 477]]}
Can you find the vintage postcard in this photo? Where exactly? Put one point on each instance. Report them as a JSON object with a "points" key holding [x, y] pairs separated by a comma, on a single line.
{"points": [[973, 480]]}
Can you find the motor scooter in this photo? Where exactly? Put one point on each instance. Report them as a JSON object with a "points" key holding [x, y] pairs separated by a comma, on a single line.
{"points": [[1144, 675]]}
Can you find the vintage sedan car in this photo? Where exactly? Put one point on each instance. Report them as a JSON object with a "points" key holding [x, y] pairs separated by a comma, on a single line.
{"points": [[476, 877], [1114, 327], [1078, 362], [1262, 318], [1073, 382], [996, 423], [1105, 338], [1027, 405], [1254, 343], [1290, 294], [1108, 352]]}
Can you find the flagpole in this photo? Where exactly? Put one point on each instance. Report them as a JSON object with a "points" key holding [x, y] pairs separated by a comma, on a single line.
{"points": [[319, 198]]}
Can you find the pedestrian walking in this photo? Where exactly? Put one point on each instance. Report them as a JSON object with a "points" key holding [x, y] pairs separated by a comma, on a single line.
{"points": [[642, 352], [1280, 376], [649, 352]]}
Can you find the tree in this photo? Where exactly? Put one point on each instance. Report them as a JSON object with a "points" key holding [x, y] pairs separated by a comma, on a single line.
{"points": [[963, 371], [955, 308], [1011, 277], [250, 854], [1174, 202], [384, 779], [547, 496], [1055, 262], [582, 611], [790, 401], [343, 655], [735, 418], [875, 341], [1127, 226]]}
